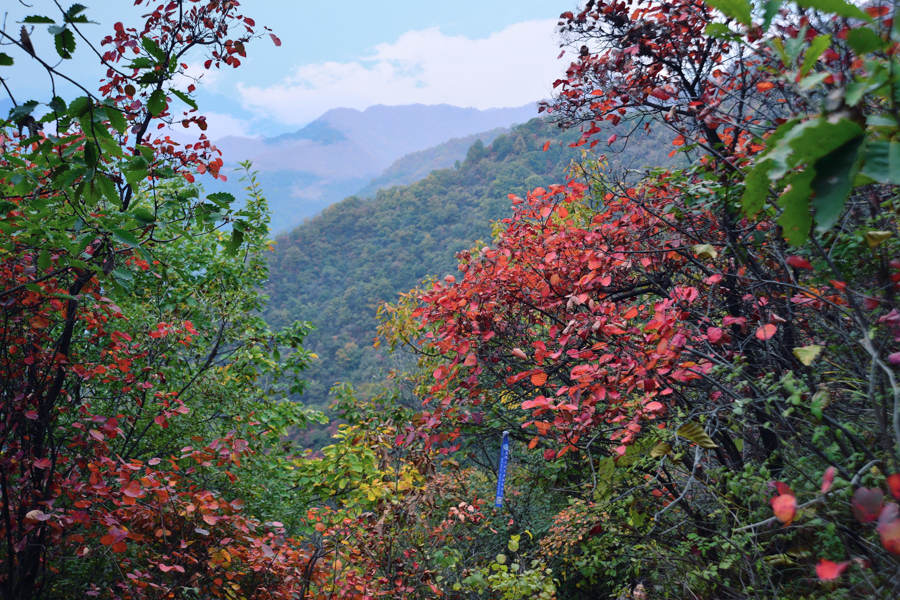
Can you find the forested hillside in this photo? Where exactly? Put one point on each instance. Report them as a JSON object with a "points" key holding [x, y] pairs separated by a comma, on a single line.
{"points": [[418, 165], [335, 269]]}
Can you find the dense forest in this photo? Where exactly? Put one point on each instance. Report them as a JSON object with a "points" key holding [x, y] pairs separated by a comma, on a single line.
{"points": [[670, 374]]}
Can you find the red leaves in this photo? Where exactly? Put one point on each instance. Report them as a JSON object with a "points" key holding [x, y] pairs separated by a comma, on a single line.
{"points": [[829, 571], [275, 39], [660, 94], [827, 480], [785, 504], [766, 332], [867, 504], [132, 489], [798, 263], [518, 352], [166, 568], [612, 139], [546, 145], [889, 529]]}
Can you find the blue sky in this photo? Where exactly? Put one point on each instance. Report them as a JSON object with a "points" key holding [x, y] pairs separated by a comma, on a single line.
{"points": [[481, 53]]}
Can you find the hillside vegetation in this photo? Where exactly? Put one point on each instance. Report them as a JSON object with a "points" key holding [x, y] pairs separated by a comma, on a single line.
{"points": [[673, 382], [337, 268]]}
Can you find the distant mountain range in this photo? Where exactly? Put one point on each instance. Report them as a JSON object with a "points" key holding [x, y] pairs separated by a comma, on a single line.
{"points": [[342, 151]]}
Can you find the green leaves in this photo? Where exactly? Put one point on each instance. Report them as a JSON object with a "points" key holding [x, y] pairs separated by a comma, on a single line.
{"points": [[237, 238], [116, 119], [125, 237], [185, 98], [795, 219], [863, 41], [38, 20], [739, 10], [827, 146], [156, 104], [5, 60], [837, 7], [64, 42], [153, 49], [882, 161], [835, 173], [816, 47]]}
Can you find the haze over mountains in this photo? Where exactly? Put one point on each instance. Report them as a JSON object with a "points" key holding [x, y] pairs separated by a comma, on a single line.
{"points": [[342, 151]]}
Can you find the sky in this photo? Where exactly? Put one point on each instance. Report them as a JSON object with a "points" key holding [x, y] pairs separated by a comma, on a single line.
{"points": [[470, 53]]}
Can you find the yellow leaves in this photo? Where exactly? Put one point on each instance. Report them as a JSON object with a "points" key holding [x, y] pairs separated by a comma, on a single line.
{"points": [[661, 450], [874, 238], [704, 251], [807, 354], [694, 432]]}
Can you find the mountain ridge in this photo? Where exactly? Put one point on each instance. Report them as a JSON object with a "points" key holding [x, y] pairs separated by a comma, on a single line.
{"points": [[345, 149]]}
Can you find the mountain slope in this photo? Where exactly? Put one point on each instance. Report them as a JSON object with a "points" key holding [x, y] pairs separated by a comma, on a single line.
{"points": [[418, 165]]}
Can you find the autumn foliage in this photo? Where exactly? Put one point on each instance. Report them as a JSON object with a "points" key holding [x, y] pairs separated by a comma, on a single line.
{"points": [[705, 352], [696, 366]]}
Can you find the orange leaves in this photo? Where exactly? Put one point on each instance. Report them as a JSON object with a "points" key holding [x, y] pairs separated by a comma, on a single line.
{"points": [[784, 505], [538, 378], [539, 402], [132, 491], [893, 482], [764, 86], [829, 571], [766, 332]]}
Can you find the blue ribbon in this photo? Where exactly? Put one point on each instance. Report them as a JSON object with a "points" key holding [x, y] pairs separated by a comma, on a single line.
{"points": [[501, 473]]}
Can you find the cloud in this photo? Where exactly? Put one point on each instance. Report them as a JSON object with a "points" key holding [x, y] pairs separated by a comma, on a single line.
{"points": [[509, 68]]}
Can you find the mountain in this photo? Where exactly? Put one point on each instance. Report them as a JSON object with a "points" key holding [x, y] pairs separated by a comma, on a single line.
{"points": [[418, 165], [344, 149]]}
